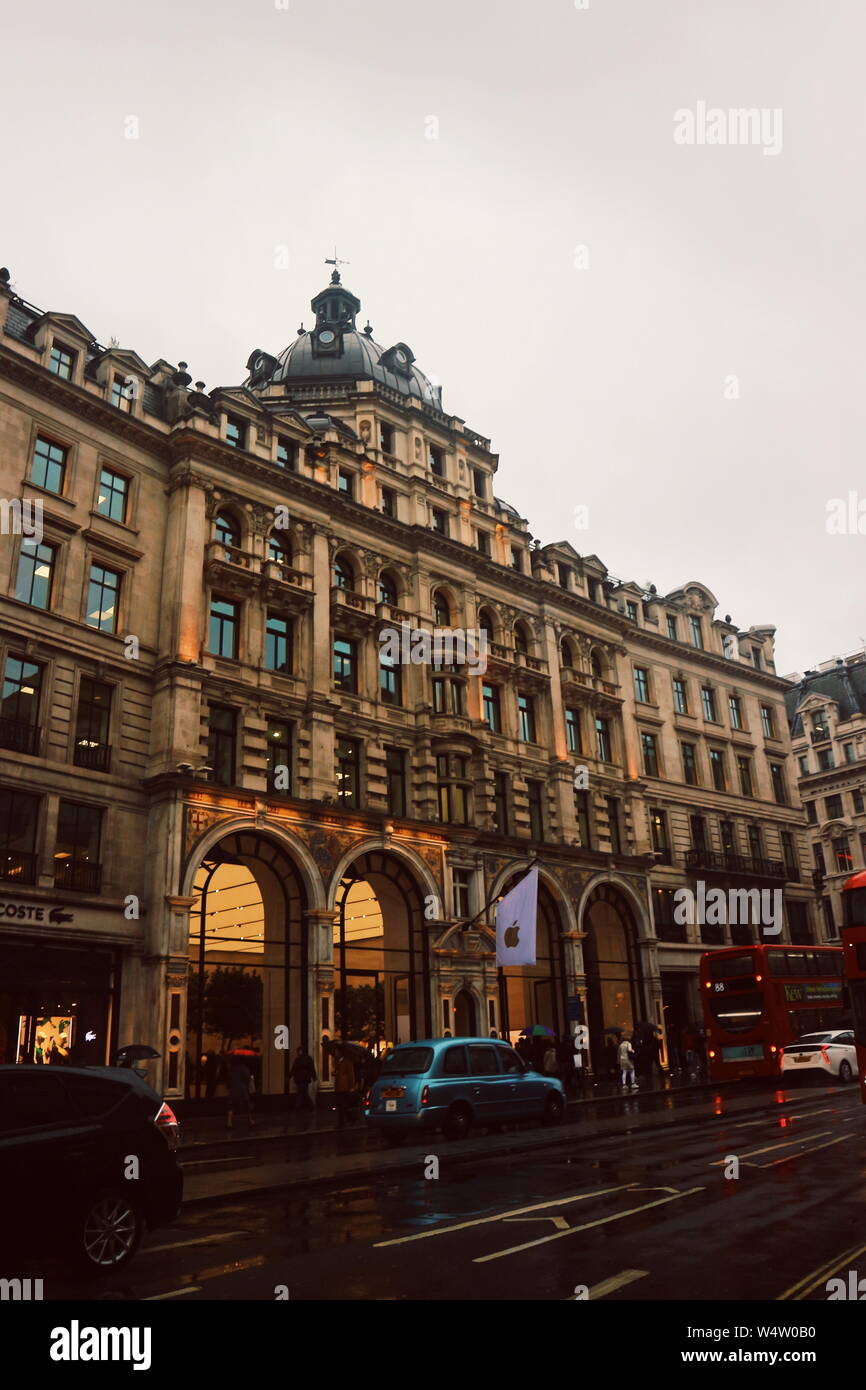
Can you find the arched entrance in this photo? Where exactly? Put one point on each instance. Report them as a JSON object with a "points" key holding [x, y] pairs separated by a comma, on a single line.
{"points": [[614, 984], [465, 1015], [381, 964], [535, 994], [248, 964]]}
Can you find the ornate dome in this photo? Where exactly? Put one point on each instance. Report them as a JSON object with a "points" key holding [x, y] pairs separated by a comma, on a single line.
{"points": [[335, 351]]}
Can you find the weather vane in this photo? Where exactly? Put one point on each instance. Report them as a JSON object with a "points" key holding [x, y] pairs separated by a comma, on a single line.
{"points": [[335, 260]]}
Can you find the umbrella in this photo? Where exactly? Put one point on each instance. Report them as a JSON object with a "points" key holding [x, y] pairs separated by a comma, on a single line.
{"points": [[136, 1052], [356, 1049], [537, 1030]]}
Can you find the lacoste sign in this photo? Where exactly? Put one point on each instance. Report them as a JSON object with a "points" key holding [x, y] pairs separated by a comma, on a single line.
{"points": [[35, 912]]}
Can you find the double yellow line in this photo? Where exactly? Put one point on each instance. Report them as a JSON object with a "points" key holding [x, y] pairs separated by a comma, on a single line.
{"points": [[811, 1281]]}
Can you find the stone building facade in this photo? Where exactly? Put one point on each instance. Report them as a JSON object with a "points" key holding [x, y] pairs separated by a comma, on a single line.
{"points": [[227, 819]]}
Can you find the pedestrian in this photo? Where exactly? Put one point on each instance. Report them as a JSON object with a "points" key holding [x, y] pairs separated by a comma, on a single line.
{"points": [[550, 1062], [565, 1061], [522, 1049], [701, 1052], [240, 1090], [303, 1072], [344, 1088], [625, 1057], [493, 1033], [687, 1042]]}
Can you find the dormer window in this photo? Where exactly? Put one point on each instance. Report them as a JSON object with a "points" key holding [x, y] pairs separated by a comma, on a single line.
{"points": [[236, 432], [121, 394], [756, 658], [564, 573], [479, 483], [386, 438], [483, 542], [439, 521], [436, 460], [631, 611], [345, 483], [62, 361], [286, 452], [517, 558]]}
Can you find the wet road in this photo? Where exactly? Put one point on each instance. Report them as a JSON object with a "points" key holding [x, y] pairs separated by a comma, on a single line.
{"points": [[645, 1214]]}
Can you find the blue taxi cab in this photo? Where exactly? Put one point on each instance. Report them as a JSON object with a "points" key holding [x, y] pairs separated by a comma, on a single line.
{"points": [[454, 1083]]}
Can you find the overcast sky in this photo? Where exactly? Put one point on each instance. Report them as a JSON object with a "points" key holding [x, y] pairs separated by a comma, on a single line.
{"points": [[670, 334]]}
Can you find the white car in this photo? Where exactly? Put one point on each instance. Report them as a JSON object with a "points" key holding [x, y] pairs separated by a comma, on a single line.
{"points": [[832, 1053]]}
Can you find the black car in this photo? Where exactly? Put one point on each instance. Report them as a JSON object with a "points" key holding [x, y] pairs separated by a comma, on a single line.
{"points": [[87, 1162]]}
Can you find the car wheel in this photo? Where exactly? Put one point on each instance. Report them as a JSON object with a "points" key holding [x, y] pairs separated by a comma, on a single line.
{"points": [[845, 1072], [394, 1138], [458, 1122], [554, 1109], [107, 1233]]}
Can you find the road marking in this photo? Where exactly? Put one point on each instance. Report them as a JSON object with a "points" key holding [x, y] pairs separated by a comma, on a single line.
{"points": [[229, 1158], [830, 1142], [797, 1292], [559, 1221], [587, 1226], [196, 1240], [768, 1148], [796, 1115], [175, 1293], [499, 1216], [616, 1281]]}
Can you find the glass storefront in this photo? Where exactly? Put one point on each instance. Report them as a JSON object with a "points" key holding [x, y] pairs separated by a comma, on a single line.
{"points": [[57, 1004]]}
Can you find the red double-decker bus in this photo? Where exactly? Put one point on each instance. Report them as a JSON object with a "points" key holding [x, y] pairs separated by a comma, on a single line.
{"points": [[756, 999]]}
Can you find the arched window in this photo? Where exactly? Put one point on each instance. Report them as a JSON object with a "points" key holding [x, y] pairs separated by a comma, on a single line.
{"points": [[596, 664], [227, 531], [566, 652], [441, 609], [521, 641], [387, 589], [485, 624], [344, 575], [278, 548]]}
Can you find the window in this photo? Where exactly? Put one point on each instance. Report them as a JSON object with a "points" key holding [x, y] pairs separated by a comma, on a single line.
{"points": [[698, 828], [811, 812], [19, 708], [631, 610], [92, 720], [573, 730], [389, 502], [278, 643], [717, 767], [613, 821], [803, 764], [641, 685], [449, 695], [344, 575], [436, 460], [696, 632], [850, 755], [76, 849], [483, 541], [121, 393], [789, 854], [780, 790], [221, 744], [521, 643], [461, 879], [857, 798], [664, 906], [681, 696], [844, 859], [386, 437], [48, 467], [227, 533], [564, 574], [345, 664], [768, 721], [517, 559], [111, 498], [744, 772], [223, 629], [500, 802], [592, 590], [287, 453], [526, 718], [441, 610], [829, 924], [439, 521], [534, 794], [62, 361], [756, 657], [690, 764], [395, 777], [673, 630], [834, 807], [649, 745], [19, 819], [582, 810], [659, 832], [726, 830], [756, 842], [708, 704], [279, 751], [236, 432], [35, 578], [278, 551], [479, 483], [349, 772], [819, 726], [818, 855], [492, 710], [103, 595], [452, 771], [345, 482], [596, 666], [602, 740], [390, 680], [826, 761], [387, 590]]}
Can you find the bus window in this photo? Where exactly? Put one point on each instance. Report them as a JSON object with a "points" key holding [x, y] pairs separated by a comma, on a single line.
{"points": [[778, 962], [729, 967]]}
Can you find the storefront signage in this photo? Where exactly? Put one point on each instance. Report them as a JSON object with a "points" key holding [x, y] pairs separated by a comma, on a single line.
{"points": [[34, 912]]}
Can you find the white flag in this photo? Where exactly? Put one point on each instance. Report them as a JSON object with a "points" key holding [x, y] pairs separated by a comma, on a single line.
{"points": [[515, 923]]}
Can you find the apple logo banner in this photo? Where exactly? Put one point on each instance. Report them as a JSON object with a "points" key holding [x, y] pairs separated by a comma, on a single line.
{"points": [[515, 922]]}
